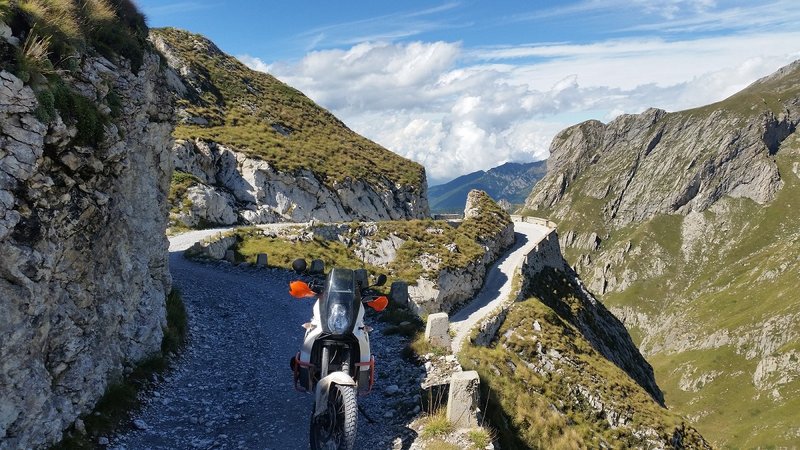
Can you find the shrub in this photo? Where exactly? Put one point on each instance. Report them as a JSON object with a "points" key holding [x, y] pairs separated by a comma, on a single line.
{"points": [[46, 111], [78, 110], [111, 27]]}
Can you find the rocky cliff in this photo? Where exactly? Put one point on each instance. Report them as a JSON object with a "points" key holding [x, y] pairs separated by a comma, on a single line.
{"points": [[444, 287], [259, 151], [546, 275], [563, 372], [684, 223], [229, 187], [84, 173]]}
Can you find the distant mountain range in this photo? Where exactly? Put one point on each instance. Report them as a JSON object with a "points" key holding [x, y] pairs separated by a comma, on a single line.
{"points": [[511, 182]]}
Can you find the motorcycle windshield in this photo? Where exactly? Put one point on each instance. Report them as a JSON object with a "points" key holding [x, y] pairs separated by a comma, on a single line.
{"points": [[339, 302]]}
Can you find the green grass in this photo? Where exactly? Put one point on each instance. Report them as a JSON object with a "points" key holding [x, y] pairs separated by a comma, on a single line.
{"points": [[122, 397], [420, 346], [532, 409], [438, 444], [58, 34], [180, 183], [244, 108], [480, 437], [436, 424], [282, 252], [421, 237], [109, 27], [721, 285]]}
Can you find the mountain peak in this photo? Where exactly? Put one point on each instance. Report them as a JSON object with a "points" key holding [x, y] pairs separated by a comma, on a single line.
{"points": [[510, 182]]}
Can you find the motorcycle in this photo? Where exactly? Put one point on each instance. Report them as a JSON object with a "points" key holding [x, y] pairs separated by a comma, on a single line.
{"points": [[335, 360]]}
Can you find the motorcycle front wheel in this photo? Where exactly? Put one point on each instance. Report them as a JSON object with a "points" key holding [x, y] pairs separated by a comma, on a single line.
{"points": [[335, 429]]}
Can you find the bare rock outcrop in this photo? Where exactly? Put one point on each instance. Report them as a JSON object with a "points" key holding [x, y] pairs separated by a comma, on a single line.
{"points": [[492, 228], [271, 152], [256, 192], [659, 163], [83, 254]]}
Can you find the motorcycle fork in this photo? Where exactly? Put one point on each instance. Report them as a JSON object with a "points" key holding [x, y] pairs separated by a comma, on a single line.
{"points": [[326, 360]]}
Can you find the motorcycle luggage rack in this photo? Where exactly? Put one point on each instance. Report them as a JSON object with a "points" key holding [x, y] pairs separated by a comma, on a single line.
{"points": [[311, 369], [371, 365]]}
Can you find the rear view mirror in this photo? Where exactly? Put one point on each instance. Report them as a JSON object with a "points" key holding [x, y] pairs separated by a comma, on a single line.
{"points": [[381, 280], [299, 265]]}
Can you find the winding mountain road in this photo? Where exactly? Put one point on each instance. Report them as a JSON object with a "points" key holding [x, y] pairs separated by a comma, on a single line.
{"points": [[497, 286], [231, 388]]}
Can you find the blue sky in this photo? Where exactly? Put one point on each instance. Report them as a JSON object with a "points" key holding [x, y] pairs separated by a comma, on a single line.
{"points": [[466, 85]]}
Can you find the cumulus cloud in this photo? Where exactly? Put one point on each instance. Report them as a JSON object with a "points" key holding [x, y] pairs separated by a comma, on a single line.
{"points": [[459, 110]]}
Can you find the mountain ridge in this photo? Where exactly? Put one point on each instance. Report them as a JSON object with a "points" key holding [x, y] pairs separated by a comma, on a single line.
{"points": [[258, 151], [682, 222], [510, 182]]}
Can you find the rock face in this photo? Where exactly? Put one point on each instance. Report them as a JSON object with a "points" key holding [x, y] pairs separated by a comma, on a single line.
{"points": [[597, 325], [83, 253], [240, 189], [686, 224], [648, 166], [453, 286]]}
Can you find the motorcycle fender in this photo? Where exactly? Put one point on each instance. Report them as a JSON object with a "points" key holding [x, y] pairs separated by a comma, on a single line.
{"points": [[323, 388]]}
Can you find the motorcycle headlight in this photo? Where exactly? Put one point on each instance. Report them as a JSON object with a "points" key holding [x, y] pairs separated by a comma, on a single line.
{"points": [[337, 319]]}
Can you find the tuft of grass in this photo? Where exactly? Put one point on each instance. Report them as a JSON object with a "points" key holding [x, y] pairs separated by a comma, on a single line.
{"points": [[180, 183], [56, 97], [438, 444], [33, 63], [177, 324], [480, 437], [80, 111], [420, 346], [58, 31], [436, 424]]}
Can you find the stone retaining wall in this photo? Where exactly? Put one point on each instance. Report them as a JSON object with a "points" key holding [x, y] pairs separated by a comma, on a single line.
{"points": [[547, 252]]}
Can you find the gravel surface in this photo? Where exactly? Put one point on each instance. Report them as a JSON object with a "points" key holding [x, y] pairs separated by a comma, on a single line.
{"points": [[231, 388]]}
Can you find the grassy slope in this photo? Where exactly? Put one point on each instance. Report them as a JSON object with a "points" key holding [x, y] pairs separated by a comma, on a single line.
{"points": [[56, 35], [536, 409], [244, 108], [720, 287]]}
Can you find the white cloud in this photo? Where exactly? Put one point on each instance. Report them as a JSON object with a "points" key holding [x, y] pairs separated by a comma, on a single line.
{"points": [[458, 111]]}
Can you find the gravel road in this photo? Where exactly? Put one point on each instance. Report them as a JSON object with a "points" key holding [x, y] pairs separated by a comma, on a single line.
{"points": [[232, 387], [497, 286]]}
